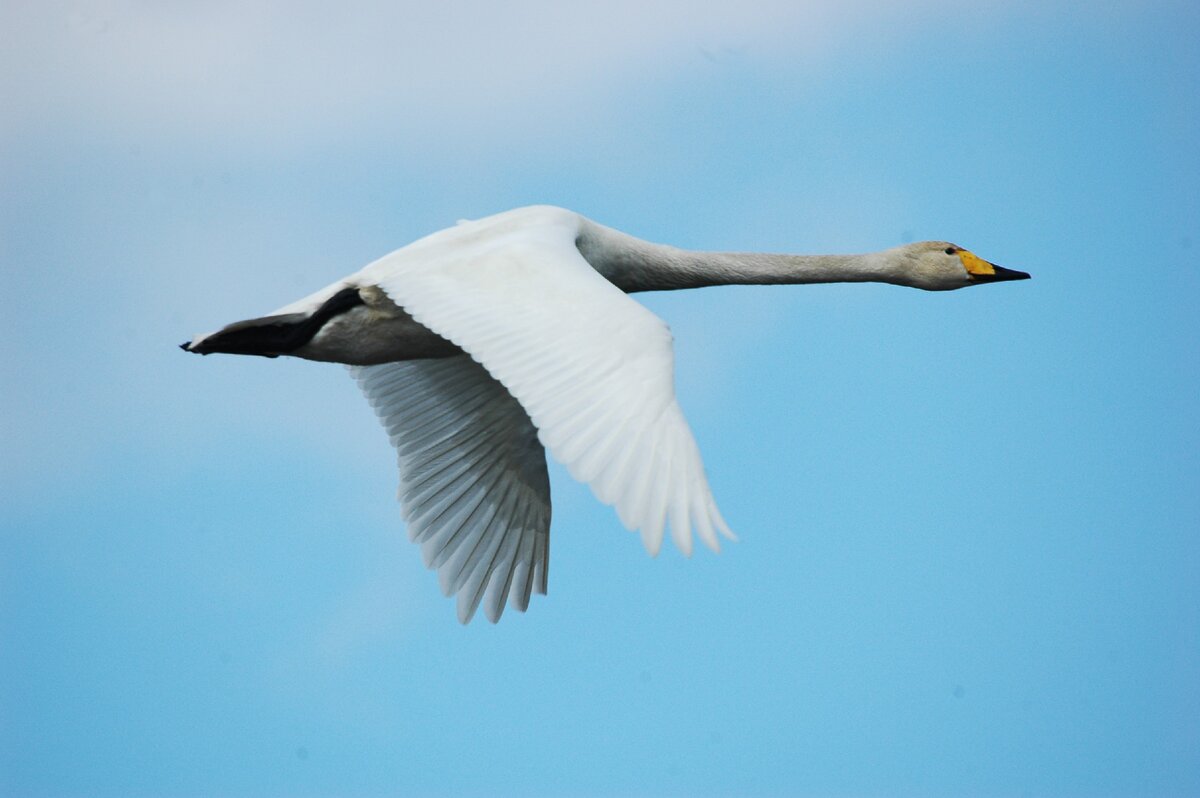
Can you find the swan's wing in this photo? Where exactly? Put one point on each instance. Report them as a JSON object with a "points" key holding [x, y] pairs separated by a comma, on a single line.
{"points": [[473, 484], [592, 368]]}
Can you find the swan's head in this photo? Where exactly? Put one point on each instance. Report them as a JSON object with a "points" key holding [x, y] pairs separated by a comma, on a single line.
{"points": [[942, 266]]}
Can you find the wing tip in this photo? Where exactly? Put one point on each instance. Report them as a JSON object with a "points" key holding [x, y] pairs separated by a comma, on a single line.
{"points": [[651, 543]]}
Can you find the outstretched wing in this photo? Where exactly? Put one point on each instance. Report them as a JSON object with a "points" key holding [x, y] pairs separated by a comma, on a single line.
{"points": [[592, 368], [473, 484]]}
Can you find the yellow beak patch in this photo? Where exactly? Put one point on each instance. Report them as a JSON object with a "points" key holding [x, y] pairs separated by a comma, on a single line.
{"points": [[975, 264]]}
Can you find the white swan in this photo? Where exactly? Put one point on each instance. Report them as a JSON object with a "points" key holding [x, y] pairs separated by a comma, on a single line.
{"points": [[555, 355]]}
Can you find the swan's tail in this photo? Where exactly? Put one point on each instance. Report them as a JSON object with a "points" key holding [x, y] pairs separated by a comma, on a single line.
{"points": [[272, 336]]}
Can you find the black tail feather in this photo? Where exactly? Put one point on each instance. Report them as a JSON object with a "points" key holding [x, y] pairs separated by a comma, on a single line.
{"points": [[271, 336]]}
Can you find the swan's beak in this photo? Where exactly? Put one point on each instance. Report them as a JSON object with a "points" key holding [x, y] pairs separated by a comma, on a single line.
{"points": [[999, 274], [980, 271]]}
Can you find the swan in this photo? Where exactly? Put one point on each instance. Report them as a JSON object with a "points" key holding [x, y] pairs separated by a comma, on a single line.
{"points": [[484, 344]]}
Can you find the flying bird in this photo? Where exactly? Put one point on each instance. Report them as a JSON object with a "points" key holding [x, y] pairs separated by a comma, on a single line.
{"points": [[484, 344]]}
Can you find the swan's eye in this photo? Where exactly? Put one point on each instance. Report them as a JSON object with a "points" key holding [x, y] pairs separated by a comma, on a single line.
{"points": [[950, 250]]}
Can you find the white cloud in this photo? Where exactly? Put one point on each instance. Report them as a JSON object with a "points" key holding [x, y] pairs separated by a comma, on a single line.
{"points": [[285, 74]]}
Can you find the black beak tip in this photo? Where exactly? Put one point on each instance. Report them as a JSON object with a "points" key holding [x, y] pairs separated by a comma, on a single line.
{"points": [[1010, 274], [1002, 274]]}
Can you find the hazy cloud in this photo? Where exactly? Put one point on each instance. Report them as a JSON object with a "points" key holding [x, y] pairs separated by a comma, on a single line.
{"points": [[281, 74]]}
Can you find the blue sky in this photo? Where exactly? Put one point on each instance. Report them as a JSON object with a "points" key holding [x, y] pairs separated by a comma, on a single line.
{"points": [[970, 522]]}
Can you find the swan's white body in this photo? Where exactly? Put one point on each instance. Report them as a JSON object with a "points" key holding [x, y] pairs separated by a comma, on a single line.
{"points": [[482, 343]]}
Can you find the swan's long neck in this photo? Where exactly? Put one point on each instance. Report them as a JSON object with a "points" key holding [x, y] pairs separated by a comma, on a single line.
{"points": [[636, 265]]}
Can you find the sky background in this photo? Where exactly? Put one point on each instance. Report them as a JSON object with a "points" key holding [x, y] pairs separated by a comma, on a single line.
{"points": [[970, 522]]}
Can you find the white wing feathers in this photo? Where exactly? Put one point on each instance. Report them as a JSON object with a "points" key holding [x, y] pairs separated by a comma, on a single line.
{"points": [[591, 367], [473, 484]]}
